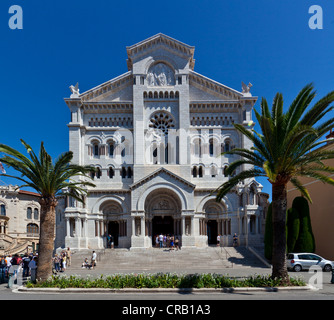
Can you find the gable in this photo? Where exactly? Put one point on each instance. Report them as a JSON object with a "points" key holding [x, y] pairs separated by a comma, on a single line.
{"points": [[163, 174], [202, 88], [118, 89]]}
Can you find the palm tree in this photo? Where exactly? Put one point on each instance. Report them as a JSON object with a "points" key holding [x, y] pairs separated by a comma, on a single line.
{"points": [[285, 150], [50, 180]]}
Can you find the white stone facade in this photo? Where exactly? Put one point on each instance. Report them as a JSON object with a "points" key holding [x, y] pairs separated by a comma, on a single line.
{"points": [[155, 135]]}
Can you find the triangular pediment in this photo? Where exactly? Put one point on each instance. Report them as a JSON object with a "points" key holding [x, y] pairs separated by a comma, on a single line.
{"points": [[118, 89], [159, 41], [162, 172], [202, 88]]}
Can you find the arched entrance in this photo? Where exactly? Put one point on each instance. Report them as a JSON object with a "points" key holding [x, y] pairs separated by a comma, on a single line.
{"points": [[162, 225], [113, 230], [215, 220], [113, 222], [162, 214], [212, 226]]}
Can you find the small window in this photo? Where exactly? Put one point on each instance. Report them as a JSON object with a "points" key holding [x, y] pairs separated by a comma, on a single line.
{"points": [[111, 150], [111, 173], [3, 210], [123, 173], [200, 172], [36, 215], [96, 150], [29, 213]]}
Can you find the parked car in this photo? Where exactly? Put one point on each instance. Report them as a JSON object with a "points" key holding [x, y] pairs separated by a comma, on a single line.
{"points": [[303, 261]]}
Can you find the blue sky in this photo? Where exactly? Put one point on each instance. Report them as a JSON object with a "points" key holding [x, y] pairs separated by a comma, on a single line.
{"points": [[265, 42]]}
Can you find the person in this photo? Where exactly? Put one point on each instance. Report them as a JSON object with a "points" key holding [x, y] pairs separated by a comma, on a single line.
{"points": [[25, 265], [68, 257], [33, 269], [56, 261], [86, 264], [218, 240], [93, 259], [157, 241], [61, 258], [161, 240], [3, 269], [108, 241], [235, 240], [172, 242], [15, 263], [177, 243], [8, 259], [64, 262]]}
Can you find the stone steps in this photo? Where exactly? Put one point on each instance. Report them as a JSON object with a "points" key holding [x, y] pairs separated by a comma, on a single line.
{"points": [[210, 260]]}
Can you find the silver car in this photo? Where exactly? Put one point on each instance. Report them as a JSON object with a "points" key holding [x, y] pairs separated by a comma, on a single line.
{"points": [[303, 261]]}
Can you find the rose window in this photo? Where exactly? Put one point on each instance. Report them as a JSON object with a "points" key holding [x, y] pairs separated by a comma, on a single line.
{"points": [[161, 121]]}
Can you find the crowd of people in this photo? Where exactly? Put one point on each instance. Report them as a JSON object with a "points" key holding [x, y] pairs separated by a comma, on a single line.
{"points": [[62, 260], [11, 264], [167, 241]]}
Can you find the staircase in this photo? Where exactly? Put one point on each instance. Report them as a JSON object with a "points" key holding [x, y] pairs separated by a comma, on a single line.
{"points": [[204, 260]]}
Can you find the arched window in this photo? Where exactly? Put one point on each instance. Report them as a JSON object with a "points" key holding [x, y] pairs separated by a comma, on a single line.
{"points": [[98, 173], [154, 153], [123, 172], [227, 146], [200, 172], [3, 210], [211, 148], [36, 215], [129, 172], [194, 172], [96, 150], [29, 213], [32, 229], [111, 149], [111, 172]]}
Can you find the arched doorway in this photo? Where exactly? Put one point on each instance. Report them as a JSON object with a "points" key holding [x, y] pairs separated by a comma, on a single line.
{"points": [[162, 225], [162, 214], [215, 219], [212, 232], [113, 222], [113, 230]]}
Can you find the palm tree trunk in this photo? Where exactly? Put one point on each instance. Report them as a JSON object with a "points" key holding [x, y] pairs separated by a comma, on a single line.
{"points": [[46, 239], [279, 207]]}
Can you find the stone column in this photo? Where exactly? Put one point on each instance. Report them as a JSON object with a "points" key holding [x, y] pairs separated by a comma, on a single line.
{"points": [[142, 226], [133, 223], [68, 227]]}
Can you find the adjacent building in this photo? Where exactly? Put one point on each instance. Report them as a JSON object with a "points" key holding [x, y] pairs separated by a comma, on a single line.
{"points": [[19, 220], [321, 208]]}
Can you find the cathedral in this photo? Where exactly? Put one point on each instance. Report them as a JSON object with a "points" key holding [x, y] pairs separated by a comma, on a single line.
{"points": [[155, 135]]}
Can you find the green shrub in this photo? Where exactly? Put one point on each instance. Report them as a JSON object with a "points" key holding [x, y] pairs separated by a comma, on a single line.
{"points": [[159, 280], [305, 241]]}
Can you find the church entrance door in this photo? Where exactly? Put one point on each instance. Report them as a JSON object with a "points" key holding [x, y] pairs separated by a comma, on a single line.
{"points": [[113, 230], [162, 225], [212, 231]]}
